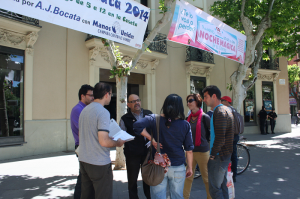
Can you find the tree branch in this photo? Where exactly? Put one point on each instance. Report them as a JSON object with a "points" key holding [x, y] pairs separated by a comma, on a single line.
{"points": [[247, 23], [264, 24], [110, 50], [159, 25], [250, 83]]}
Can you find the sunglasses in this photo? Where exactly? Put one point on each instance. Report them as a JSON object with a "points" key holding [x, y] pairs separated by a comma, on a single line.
{"points": [[191, 100]]}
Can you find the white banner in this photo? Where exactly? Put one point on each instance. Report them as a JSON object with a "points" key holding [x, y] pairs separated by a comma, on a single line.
{"points": [[123, 21], [192, 26]]}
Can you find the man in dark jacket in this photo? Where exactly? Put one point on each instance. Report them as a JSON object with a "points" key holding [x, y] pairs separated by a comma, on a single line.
{"points": [[262, 119], [136, 150], [221, 142], [273, 117]]}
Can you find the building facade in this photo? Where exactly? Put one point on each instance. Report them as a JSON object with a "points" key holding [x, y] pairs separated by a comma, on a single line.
{"points": [[43, 66]]}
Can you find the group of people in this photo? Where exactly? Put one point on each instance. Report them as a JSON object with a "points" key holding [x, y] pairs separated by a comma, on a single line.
{"points": [[263, 120], [188, 141]]}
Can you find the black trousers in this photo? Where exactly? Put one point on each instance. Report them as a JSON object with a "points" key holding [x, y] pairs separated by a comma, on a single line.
{"points": [[133, 164], [77, 191], [97, 181], [267, 125], [262, 126], [272, 123]]}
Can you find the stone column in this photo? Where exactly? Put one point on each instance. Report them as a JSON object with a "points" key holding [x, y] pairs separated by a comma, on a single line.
{"points": [[93, 70], [275, 76], [28, 85]]}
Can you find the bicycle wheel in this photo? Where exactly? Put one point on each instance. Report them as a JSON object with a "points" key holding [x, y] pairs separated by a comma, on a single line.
{"points": [[197, 173], [243, 156]]}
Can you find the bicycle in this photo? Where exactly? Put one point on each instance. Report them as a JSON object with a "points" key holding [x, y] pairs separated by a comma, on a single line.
{"points": [[243, 156]]}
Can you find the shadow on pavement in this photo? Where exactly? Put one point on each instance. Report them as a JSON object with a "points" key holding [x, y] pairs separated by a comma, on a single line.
{"points": [[274, 167], [28, 187]]}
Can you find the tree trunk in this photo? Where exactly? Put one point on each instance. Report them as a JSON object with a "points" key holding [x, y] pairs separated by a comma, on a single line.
{"points": [[3, 110], [298, 103], [121, 110], [254, 41]]}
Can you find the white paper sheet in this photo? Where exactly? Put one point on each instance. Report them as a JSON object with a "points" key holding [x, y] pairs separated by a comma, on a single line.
{"points": [[116, 132]]}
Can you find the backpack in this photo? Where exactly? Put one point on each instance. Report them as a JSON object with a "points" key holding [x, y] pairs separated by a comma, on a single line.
{"points": [[238, 122]]}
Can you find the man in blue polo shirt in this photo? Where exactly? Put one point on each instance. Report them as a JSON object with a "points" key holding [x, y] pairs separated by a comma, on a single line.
{"points": [[86, 96]]}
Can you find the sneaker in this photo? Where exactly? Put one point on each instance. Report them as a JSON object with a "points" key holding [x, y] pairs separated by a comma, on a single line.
{"points": [[273, 133]]}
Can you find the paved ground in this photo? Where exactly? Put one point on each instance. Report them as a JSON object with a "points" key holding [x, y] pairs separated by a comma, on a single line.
{"points": [[273, 173]]}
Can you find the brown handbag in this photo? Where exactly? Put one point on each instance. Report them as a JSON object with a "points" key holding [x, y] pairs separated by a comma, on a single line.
{"points": [[153, 174]]}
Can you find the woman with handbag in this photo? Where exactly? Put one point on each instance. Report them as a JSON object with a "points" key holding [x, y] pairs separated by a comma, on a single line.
{"points": [[200, 123], [174, 137]]}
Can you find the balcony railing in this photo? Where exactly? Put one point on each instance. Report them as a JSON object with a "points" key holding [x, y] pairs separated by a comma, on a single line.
{"points": [[195, 54], [272, 64], [159, 44], [18, 17]]}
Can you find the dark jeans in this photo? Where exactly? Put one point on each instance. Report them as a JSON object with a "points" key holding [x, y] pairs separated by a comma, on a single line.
{"points": [[77, 191], [272, 123], [234, 159], [217, 177], [133, 164], [262, 126], [97, 181]]}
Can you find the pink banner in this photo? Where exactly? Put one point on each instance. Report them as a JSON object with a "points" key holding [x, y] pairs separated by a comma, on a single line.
{"points": [[191, 26]]}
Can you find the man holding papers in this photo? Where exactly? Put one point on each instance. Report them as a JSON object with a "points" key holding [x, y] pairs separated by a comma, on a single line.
{"points": [[95, 143], [135, 151]]}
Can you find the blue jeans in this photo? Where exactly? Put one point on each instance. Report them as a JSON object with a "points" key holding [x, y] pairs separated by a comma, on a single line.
{"points": [[234, 159], [217, 171], [174, 179]]}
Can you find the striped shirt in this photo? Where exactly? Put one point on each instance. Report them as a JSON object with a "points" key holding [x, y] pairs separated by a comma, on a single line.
{"points": [[223, 121]]}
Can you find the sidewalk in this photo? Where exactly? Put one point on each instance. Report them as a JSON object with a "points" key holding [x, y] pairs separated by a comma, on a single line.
{"points": [[273, 173]]}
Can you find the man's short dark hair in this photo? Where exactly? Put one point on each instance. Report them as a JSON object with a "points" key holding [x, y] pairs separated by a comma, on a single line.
{"points": [[84, 89], [212, 89], [101, 89]]}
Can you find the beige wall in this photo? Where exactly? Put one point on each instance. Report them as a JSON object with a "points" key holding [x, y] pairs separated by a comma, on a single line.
{"points": [[49, 73], [60, 68], [283, 90], [77, 67]]}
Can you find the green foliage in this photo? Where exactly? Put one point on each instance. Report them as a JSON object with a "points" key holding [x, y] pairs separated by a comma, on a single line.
{"points": [[251, 76], [282, 36], [293, 73], [162, 7], [229, 86], [122, 68]]}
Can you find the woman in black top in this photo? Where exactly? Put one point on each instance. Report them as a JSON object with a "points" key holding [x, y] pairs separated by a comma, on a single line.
{"points": [[200, 124]]}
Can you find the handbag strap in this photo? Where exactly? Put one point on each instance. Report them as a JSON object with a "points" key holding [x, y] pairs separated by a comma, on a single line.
{"points": [[151, 157], [157, 117]]}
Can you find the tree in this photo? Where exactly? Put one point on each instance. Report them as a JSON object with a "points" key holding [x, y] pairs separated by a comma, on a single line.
{"points": [[267, 24], [294, 77], [120, 69]]}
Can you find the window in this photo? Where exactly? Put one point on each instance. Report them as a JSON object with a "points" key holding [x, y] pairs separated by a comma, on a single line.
{"points": [[11, 95], [197, 84], [249, 107], [268, 96]]}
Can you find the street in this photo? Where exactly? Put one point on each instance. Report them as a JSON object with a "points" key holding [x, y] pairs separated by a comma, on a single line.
{"points": [[273, 173]]}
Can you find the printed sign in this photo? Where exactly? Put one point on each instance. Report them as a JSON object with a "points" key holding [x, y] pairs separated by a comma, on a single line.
{"points": [[191, 26], [122, 21]]}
